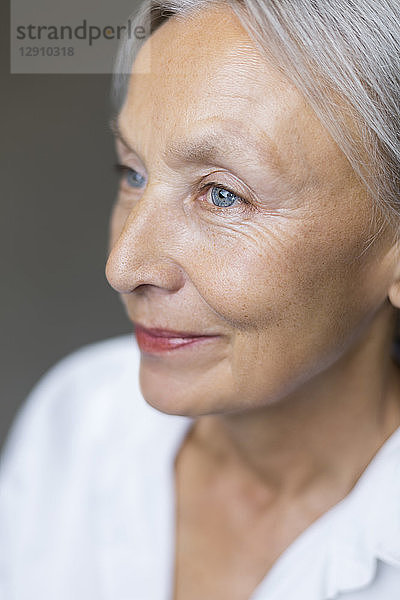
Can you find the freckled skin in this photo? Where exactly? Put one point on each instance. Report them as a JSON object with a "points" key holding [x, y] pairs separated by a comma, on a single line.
{"points": [[302, 306]]}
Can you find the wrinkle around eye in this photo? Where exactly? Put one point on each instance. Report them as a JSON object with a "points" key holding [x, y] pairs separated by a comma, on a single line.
{"points": [[261, 239]]}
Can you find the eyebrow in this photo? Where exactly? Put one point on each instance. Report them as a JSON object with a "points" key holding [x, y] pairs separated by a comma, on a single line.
{"points": [[207, 147]]}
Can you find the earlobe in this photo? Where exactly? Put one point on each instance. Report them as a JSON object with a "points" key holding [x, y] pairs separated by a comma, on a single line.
{"points": [[394, 290], [394, 294]]}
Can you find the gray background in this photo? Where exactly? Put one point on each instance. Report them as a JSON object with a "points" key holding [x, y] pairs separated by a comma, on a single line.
{"points": [[57, 188]]}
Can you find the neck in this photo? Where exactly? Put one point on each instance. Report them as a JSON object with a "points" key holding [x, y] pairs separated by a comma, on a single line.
{"points": [[328, 431]]}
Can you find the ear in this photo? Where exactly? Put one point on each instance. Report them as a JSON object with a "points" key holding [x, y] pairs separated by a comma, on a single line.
{"points": [[394, 294], [394, 289]]}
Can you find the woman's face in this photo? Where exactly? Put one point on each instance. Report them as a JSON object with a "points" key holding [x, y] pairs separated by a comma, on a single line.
{"points": [[282, 274]]}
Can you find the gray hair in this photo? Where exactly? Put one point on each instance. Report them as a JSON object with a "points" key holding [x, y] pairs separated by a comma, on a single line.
{"points": [[342, 55]]}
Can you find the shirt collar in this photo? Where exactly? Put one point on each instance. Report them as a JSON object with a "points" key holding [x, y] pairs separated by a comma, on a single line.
{"points": [[366, 526], [339, 551]]}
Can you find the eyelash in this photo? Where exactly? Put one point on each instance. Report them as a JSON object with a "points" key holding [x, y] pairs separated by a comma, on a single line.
{"points": [[242, 205], [124, 170]]}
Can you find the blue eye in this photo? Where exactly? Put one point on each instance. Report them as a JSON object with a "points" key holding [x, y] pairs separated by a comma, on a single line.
{"points": [[132, 178], [222, 197]]}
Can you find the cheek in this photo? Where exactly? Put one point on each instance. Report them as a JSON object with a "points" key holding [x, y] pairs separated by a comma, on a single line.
{"points": [[293, 275], [293, 298]]}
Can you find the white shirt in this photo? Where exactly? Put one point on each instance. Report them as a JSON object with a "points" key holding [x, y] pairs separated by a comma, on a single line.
{"points": [[87, 499]]}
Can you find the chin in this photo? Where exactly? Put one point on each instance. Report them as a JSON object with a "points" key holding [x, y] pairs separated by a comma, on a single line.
{"points": [[189, 396]]}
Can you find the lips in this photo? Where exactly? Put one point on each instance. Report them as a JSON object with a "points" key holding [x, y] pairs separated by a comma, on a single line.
{"points": [[156, 340], [167, 333]]}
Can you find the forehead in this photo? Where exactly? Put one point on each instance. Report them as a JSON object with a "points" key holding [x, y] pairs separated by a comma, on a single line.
{"points": [[206, 69], [206, 63]]}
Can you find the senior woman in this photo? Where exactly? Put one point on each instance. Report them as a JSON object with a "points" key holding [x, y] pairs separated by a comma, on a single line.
{"points": [[245, 444]]}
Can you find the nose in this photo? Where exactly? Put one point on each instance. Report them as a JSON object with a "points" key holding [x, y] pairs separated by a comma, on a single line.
{"points": [[143, 253]]}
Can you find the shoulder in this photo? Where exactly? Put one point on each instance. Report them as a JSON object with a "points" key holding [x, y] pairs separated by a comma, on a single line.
{"points": [[53, 452], [74, 471], [70, 388], [85, 369], [80, 403]]}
